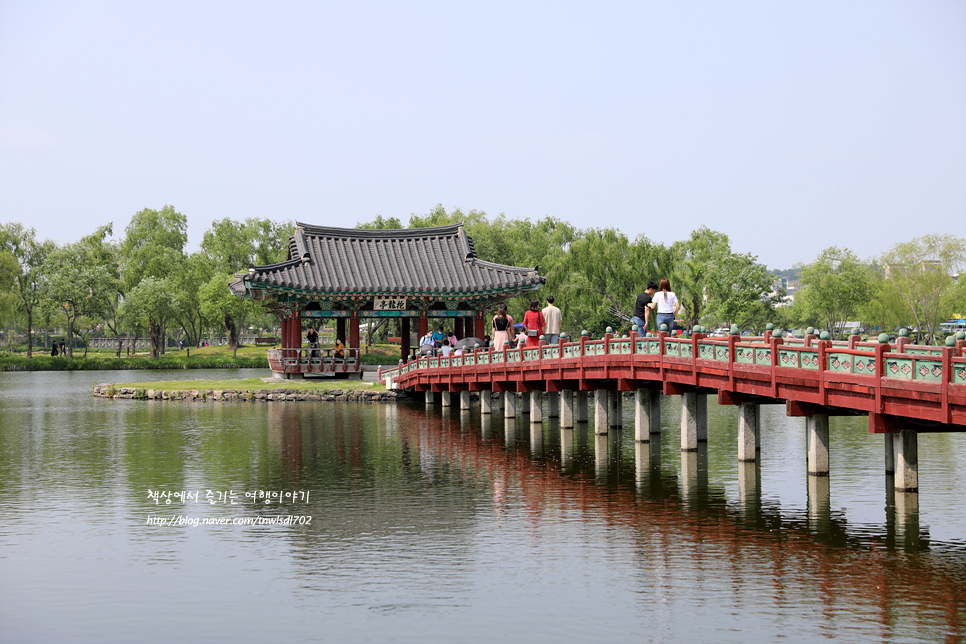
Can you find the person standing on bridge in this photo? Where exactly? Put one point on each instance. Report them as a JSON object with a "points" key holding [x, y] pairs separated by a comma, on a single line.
{"points": [[551, 314], [642, 308], [534, 323], [667, 305], [502, 324]]}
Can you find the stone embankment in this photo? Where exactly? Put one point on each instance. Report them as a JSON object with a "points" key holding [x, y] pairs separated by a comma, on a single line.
{"points": [[206, 395]]}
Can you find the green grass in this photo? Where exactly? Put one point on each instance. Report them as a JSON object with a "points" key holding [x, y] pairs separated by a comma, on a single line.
{"points": [[218, 357], [254, 384]]}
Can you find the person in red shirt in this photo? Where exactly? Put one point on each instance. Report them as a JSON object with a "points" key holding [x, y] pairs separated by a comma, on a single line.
{"points": [[534, 324]]}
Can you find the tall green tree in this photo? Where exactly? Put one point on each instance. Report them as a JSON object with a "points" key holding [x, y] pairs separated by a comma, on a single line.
{"points": [[885, 308], [920, 271], [153, 246], [229, 310], [29, 254], [834, 288], [694, 265], [738, 288], [602, 280], [188, 284], [154, 301], [105, 253], [230, 246], [77, 284], [233, 245], [381, 223]]}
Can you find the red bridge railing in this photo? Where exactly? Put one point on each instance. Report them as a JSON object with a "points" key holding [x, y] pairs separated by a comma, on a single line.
{"points": [[881, 379]]}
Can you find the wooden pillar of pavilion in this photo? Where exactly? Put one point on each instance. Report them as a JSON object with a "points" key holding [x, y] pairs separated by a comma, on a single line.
{"points": [[458, 328], [292, 332], [480, 330], [354, 330], [423, 323], [404, 342], [340, 330]]}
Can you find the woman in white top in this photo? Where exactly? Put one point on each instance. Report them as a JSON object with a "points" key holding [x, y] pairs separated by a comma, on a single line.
{"points": [[667, 305]]}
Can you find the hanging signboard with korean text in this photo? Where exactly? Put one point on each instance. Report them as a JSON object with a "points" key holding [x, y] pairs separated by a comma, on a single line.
{"points": [[388, 304]]}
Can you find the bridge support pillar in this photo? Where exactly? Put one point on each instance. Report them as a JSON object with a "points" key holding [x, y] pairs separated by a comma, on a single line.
{"points": [[553, 404], [907, 520], [429, 398], [486, 402], [890, 453], [694, 420], [647, 414], [536, 438], [906, 446], [816, 432], [601, 457], [749, 493], [600, 412], [567, 408], [509, 404], [566, 447], [536, 407], [613, 409], [525, 402], [748, 429], [819, 513], [465, 399], [446, 401], [582, 415]]}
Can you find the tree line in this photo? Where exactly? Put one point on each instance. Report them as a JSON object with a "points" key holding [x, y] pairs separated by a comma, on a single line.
{"points": [[597, 273], [144, 284]]}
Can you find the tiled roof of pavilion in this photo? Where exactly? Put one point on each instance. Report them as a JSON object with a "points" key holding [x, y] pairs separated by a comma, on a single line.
{"points": [[412, 261]]}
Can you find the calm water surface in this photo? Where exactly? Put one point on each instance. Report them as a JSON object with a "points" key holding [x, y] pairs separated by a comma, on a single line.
{"points": [[441, 526]]}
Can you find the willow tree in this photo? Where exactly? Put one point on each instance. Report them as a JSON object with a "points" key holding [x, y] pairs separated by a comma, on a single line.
{"points": [[834, 288], [78, 284], [921, 272], [696, 260], [230, 246], [26, 268], [605, 271], [153, 246], [219, 305], [154, 301], [737, 291]]}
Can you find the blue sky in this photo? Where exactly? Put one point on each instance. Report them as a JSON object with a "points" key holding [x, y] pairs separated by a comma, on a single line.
{"points": [[789, 126]]}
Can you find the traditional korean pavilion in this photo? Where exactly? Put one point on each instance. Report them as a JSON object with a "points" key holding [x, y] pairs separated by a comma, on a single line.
{"points": [[349, 274]]}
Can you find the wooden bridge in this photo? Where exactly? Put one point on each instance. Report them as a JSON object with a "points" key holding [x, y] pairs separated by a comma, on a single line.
{"points": [[903, 388]]}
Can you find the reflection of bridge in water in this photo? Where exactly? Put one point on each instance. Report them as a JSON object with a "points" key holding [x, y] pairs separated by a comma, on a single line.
{"points": [[903, 388], [814, 556]]}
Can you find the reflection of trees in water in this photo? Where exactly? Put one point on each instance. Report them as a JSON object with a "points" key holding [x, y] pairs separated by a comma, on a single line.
{"points": [[410, 474], [889, 566]]}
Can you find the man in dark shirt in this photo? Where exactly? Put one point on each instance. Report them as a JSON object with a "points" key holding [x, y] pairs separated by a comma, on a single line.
{"points": [[642, 312], [312, 337]]}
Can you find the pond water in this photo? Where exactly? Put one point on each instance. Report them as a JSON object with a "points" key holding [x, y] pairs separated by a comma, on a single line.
{"points": [[408, 524]]}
